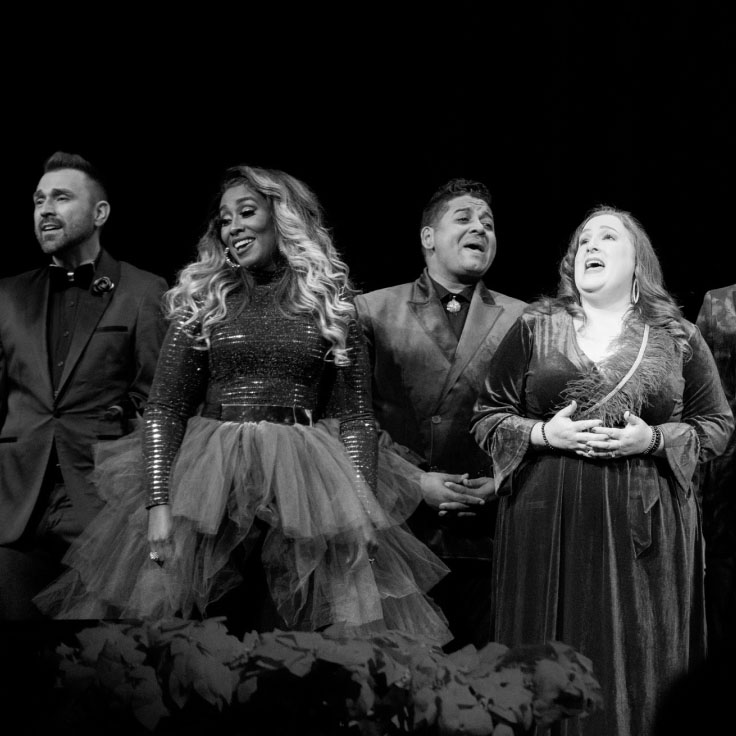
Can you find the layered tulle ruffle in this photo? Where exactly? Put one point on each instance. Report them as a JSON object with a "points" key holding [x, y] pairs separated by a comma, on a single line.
{"points": [[318, 511]]}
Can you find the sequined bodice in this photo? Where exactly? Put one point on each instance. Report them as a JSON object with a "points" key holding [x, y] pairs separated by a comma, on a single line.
{"points": [[257, 356], [262, 357]]}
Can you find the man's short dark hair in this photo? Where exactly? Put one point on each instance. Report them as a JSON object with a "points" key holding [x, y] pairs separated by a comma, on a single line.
{"points": [[453, 188], [63, 160]]}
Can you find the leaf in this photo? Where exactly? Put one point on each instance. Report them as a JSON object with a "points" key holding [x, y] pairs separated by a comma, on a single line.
{"points": [[212, 635], [214, 682], [246, 689], [75, 676], [274, 654], [111, 670], [196, 671], [503, 729], [111, 640], [349, 654], [363, 704], [506, 694], [459, 711], [458, 694], [251, 640], [304, 640], [146, 697], [492, 653], [149, 714], [425, 707], [465, 659]]}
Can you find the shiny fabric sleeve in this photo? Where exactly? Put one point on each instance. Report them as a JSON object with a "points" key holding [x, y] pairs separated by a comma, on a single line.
{"points": [[150, 330], [351, 403], [702, 430], [498, 423], [385, 441], [3, 386], [178, 388], [705, 319]]}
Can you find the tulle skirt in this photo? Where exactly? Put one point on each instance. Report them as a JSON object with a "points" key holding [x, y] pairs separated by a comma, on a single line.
{"points": [[318, 513]]}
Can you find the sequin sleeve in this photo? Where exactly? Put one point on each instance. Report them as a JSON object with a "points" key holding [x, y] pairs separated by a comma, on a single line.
{"points": [[351, 403], [178, 388]]}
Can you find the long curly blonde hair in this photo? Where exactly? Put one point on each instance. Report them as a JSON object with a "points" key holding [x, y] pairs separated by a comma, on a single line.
{"points": [[314, 281]]}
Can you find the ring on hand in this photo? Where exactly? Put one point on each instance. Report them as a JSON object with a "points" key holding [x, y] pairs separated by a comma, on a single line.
{"points": [[156, 558], [371, 560]]}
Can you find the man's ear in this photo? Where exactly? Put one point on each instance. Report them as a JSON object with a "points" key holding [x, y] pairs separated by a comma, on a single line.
{"points": [[427, 237], [102, 212]]}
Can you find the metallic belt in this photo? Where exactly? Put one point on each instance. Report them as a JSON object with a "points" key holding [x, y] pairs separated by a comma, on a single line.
{"points": [[265, 413]]}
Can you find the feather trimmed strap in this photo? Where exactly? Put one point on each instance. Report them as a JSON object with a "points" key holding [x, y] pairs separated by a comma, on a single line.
{"points": [[627, 379], [632, 370]]}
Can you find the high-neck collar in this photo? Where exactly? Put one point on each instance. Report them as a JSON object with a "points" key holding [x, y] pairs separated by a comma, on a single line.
{"points": [[263, 277]]}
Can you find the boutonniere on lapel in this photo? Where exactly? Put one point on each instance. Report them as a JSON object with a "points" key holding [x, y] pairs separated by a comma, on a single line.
{"points": [[101, 285]]}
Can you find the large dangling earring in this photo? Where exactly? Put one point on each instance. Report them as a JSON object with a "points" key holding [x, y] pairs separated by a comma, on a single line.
{"points": [[635, 291], [229, 259]]}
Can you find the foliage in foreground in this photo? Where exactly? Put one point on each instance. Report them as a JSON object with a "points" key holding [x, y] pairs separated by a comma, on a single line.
{"points": [[179, 676]]}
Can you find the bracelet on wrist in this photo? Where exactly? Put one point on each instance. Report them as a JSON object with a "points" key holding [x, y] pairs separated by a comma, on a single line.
{"points": [[544, 438], [656, 440]]}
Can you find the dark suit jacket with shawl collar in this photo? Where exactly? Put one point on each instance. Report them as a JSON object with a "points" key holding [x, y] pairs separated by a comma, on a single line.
{"points": [[425, 383], [111, 362]]}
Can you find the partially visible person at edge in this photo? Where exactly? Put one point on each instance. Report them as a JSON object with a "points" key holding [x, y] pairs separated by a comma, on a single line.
{"points": [[717, 323], [79, 340], [430, 343], [265, 498], [597, 408]]}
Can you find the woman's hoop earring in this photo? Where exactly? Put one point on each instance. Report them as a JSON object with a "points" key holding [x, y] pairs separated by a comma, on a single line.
{"points": [[635, 291], [229, 259]]}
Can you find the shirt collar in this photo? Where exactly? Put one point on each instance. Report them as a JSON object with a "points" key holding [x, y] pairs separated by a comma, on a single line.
{"points": [[445, 294]]}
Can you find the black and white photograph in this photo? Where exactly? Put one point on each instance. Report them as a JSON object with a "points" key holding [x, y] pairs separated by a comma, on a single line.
{"points": [[369, 372]]}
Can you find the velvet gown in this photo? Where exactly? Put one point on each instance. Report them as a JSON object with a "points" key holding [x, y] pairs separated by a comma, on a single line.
{"points": [[605, 555]]}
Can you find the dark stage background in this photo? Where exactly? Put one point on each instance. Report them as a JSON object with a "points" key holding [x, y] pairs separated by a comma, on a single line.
{"points": [[555, 112]]}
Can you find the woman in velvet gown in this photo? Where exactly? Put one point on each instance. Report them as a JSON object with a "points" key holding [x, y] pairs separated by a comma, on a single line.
{"points": [[259, 448], [597, 408]]}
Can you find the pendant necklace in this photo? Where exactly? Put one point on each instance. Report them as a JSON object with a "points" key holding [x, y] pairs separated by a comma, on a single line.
{"points": [[453, 305]]}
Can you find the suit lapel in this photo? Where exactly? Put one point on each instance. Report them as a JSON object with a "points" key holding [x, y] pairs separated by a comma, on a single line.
{"points": [[90, 310], [38, 307], [427, 308], [482, 315]]}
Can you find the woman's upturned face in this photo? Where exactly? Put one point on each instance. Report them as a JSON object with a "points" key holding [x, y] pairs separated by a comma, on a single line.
{"points": [[605, 260], [246, 227]]}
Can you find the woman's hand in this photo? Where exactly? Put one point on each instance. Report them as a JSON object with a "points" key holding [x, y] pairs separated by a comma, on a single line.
{"points": [[564, 433], [634, 438], [359, 547], [160, 541]]}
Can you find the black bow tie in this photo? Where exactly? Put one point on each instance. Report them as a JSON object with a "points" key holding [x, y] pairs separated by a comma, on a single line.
{"points": [[81, 276]]}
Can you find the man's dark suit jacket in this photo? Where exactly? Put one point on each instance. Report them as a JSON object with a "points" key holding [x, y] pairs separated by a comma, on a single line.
{"points": [[111, 362], [425, 384]]}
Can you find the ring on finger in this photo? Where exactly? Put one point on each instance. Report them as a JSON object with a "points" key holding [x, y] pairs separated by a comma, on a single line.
{"points": [[155, 557]]}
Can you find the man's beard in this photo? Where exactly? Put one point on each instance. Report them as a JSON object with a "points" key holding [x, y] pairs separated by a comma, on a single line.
{"points": [[69, 240]]}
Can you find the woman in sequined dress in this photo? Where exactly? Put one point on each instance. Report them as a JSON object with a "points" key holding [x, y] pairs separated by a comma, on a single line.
{"points": [[259, 447], [596, 411]]}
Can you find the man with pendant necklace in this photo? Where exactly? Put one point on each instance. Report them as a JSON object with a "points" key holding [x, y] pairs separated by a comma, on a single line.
{"points": [[430, 343]]}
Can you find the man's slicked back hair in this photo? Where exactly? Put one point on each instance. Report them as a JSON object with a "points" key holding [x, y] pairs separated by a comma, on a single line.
{"points": [[63, 160], [447, 192]]}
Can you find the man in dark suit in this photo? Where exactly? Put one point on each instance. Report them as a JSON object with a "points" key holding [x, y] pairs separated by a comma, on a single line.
{"points": [[431, 342], [717, 322], [79, 341]]}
